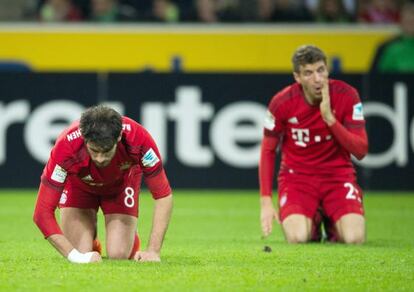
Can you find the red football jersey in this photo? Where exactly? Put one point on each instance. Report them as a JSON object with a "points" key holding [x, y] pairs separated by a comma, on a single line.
{"points": [[307, 144], [69, 160]]}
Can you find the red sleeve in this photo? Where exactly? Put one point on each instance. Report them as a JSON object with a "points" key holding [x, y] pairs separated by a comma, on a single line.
{"points": [[150, 156], [274, 124], [62, 158], [158, 185], [143, 147], [350, 132], [44, 213], [355, 141], [274, 127], [267, 164]]}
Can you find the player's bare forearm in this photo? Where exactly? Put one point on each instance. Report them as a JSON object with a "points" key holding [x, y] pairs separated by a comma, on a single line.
{"points": [[325, 106], [161, 219], [329, 119], [65, 248], [61, 243], [266, 201]]}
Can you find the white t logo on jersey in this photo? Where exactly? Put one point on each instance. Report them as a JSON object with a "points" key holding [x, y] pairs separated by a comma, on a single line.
{"points": [[301, 136]]}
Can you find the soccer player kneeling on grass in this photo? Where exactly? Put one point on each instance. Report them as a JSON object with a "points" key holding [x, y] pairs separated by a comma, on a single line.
{"points": [[318, 123], [99, 161]]}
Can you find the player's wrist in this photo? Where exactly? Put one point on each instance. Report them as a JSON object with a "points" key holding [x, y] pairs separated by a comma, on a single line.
{"points": [[77, 257], [330, 121], [266, 201]]}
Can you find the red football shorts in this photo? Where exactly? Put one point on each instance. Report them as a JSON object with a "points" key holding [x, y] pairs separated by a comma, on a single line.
{"points": [[124, 199], [303, 194]]}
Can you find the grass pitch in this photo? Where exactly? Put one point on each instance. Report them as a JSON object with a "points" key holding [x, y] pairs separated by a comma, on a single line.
{"points": [[213, 244]]}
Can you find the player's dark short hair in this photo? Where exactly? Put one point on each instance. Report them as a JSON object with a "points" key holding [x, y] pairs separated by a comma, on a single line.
{"points": [[101, 125], [307, 54]]}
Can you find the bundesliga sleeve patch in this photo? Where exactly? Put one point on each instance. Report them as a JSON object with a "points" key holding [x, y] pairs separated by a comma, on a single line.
{"points": [[269, 122], [150, 158], [59, 174], [357, 113]]}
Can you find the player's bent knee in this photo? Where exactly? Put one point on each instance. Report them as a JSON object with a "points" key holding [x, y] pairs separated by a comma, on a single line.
{"points": [[356, 237], [351, 229], [118, 254], [295, 229], [297, 237]]}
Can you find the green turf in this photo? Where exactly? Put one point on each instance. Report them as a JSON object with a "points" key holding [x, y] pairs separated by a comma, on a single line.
{"points": [[214, 244]]}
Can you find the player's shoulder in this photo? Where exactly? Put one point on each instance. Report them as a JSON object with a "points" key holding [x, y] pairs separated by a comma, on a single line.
{"points": [[71, 138], [133, 132], [342, 89], [69, 147], [285, 95], [131, 127]]}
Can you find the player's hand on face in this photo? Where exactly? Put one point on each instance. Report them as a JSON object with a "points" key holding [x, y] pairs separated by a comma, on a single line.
{"points": [[325, 105], [267, 215], [147, 256]]}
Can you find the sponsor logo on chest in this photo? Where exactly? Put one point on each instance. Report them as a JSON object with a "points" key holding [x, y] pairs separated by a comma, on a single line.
{"points": [[303, 137]]}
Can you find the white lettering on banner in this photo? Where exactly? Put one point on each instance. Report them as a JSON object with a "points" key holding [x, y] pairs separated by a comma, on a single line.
{"points": [[116, 105], [14, 112], [153, 115], [398, 152], [188, 113], [42, 130], [231, 126], [227, 131]]}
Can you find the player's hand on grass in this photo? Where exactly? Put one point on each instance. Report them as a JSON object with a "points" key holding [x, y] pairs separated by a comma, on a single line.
{"points": [[147, 256], [325, 106], [96, 257], [267, 215]]}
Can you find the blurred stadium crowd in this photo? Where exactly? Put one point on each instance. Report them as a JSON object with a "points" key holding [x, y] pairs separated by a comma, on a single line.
{"points": [[204, 11]]}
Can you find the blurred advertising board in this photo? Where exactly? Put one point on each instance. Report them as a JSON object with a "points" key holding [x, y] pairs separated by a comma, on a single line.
{"points": [[208, 126]]}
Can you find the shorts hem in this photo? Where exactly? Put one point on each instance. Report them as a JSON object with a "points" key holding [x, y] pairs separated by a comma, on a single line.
{"points": [[78, 207], [121, 213], [294, 209], [345, 211]]}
